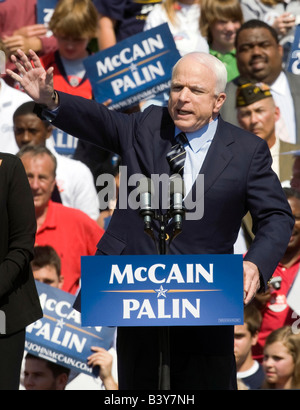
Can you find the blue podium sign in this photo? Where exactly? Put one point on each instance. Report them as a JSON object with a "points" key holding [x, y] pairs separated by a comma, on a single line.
{"points": [[135, 68], [59, 336], [162, 290]]}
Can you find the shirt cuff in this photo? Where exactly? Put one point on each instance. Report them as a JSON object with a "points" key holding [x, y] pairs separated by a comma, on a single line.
{"points": [[44, 113]]}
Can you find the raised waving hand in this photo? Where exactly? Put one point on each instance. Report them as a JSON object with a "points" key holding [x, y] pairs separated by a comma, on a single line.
{"points": [[35, 80]]}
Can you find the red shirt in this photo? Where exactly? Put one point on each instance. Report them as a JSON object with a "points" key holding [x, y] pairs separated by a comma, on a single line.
{"points": [[16, 14], [277, 313], [61, 81], [72, 234]]}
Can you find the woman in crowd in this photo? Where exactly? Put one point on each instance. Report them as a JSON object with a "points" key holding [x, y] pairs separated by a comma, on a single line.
{"points": [[281, 360]]}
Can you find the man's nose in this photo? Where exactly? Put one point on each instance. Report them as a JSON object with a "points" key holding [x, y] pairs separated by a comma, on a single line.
{"points": [[184, 94], [26, 137], [34, 183], [256, 49]]}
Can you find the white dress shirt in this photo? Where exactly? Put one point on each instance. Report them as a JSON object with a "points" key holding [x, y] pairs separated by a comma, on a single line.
{"points": [[196, 150], [285, 126]]}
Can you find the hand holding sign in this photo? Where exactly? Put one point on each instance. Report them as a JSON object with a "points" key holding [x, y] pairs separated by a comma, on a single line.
{"points": [[103, 359], [25, 38]]}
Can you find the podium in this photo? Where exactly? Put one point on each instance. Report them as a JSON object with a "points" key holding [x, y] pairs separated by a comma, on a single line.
{"points": [[162, 290]]}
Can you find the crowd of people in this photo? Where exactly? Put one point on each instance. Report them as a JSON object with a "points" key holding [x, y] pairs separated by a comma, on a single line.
{"points": [[253, 40]]}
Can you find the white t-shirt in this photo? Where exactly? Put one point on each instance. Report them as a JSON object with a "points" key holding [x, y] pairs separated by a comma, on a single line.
{"points": [[75, 183], [186, 31], [10, 100]]}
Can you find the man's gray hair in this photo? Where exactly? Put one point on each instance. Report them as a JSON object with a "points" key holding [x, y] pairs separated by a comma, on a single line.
{"points": [[214, 64], [35, 150]]}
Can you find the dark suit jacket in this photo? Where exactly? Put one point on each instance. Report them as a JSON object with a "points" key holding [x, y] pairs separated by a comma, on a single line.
{"points": [[18, 295], [229, 113], [237, 173], [237, 178]]}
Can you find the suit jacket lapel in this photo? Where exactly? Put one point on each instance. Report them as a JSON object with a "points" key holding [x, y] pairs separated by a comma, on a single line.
{"points": [[165, 139], [218, 157]]}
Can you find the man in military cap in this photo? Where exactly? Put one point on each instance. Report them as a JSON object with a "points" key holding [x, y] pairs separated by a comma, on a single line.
{"points": [[258, 113]]}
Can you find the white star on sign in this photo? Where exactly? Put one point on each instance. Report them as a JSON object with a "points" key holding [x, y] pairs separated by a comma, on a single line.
{"points": [[60, 323], [161, 292], [133, 67]]}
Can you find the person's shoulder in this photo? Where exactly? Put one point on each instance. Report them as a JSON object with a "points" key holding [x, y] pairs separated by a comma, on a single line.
{"points": [[68, 214], [240, 135], [155, 114], [236, 129], [231, 85], [75, 165], [12, 94], [292, 78], [10, 159], [11, 166], [157, 13], [48, 59]]}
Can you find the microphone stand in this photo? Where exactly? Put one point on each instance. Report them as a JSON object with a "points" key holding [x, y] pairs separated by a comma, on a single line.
{"points": [[164, 331]]}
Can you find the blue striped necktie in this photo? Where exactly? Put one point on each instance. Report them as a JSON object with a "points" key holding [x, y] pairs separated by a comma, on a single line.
{"points": [[176, 157]]}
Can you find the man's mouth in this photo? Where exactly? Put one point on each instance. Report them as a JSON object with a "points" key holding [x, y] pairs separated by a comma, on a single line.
{"points": [[258, 63], [183, 112]]}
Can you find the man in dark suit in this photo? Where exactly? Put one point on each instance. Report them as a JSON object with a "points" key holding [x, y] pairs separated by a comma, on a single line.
{"points": [[259, 59], [237, 178]]}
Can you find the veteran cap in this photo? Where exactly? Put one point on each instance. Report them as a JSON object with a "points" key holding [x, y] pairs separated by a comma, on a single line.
{"points": [[249, 93]]}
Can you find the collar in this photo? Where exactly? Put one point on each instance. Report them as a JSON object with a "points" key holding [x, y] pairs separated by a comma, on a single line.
{"points": [[218, 54], [50, 221], [297, 262], [280, 84], [253, 369], [275, 149], [198, 138]]}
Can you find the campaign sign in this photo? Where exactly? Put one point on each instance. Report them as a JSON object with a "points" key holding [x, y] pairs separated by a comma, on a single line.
{"points": [[59, 336], [161, 290], [134, 69], [45, 9], [294, 57], [64, 143]]}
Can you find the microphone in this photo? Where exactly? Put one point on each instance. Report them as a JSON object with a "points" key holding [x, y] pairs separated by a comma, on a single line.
{"points": [[146, 190], [177, 195]]}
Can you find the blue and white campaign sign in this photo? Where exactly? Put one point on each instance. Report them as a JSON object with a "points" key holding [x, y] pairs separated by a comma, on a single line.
{"points": [[162, 290], [45, 9], [64, 143], [294, 56], [134, 69], [59, 336]]}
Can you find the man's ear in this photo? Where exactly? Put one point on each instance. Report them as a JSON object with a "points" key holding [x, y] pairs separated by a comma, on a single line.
{"points": [[49, 131], [219, 102]]}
